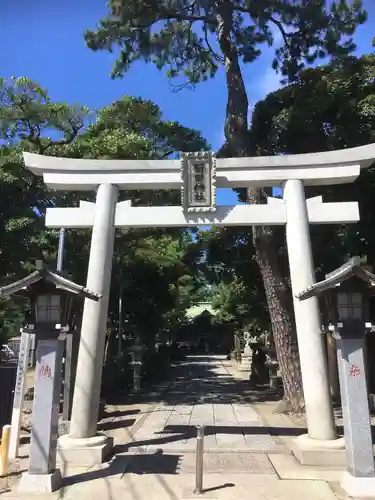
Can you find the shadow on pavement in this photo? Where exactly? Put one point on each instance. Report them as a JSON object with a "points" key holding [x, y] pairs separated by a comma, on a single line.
{"points": [[174, 433], [120, 413], [116, 424], [221, 487], [195, 378], [156, 463]]}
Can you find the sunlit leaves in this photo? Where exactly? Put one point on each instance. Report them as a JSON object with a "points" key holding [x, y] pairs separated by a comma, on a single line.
{"points": [[27, 113]]}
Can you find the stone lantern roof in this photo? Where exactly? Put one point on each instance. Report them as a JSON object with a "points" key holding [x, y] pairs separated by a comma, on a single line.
{"points": [[42, 273], [350, 269]]}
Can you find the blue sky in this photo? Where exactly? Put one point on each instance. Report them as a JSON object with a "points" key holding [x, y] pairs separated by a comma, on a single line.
{"points": [[43, 41]]}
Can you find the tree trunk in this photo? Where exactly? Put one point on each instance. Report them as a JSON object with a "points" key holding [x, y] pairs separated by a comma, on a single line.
{"points": [[277, 291], [280, 306]]}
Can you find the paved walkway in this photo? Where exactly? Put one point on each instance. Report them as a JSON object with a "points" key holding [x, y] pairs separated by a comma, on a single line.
{"points": [[204, 394], [156, 460]]}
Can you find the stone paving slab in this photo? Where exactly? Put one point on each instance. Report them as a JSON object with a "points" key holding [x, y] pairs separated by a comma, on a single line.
{"points": [[231, 440], [180, 487], [158, 419], [179, 419], [183, 409], [264, 444], [169, 477], [287, 467], [274, 450], [179, 431], [245, 414], [210, 443], [230, 463]]}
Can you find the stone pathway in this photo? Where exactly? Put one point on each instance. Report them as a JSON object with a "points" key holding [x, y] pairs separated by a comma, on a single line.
{"points": [[204, 394], [156, 460]]}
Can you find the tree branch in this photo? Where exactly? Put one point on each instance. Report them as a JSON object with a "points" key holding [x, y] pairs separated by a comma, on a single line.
{"points": [[215, 55], [168, 153], [63, 142], [284, 34], [170, 15], [276, 22]]}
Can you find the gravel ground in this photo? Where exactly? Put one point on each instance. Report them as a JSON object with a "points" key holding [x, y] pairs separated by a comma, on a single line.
{"points": [[300, 420]]}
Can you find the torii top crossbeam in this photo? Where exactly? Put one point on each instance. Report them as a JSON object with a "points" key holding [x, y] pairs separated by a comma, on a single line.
{"points": [[324, 168]]}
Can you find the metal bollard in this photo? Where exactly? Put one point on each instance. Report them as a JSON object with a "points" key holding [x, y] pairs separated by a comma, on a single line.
{"points": [[4, 451], [199, 460]]}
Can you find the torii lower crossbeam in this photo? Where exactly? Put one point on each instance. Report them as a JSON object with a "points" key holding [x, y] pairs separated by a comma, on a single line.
{"points": [[238, 215]]}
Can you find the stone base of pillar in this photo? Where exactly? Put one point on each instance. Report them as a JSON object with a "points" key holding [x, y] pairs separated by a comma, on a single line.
{"points": [[84, 452], [40, 483], [319, 452], [358, 487]]}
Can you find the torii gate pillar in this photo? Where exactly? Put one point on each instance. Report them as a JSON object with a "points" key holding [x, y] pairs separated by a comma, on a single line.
{"points": [[91, 350], [318, 399]]}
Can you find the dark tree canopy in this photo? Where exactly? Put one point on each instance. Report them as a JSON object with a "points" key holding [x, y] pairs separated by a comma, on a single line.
{"points": [[327, 108], [180, 34]]}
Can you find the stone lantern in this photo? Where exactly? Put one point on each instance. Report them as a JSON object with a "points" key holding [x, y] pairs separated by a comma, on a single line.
{"points": [[50, 296], [247, 355], [346, 291], [273, 366]]}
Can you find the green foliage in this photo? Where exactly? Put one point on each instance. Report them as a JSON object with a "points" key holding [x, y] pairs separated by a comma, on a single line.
{"points": [[238, 292], [27, 115], [18, 221], [184, 35], [153, 277], [330, 107], [149, 265], [133, 128], [11, 317]]}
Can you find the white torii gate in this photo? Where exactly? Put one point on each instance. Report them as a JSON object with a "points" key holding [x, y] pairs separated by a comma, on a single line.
{"points": [[107, 177]]}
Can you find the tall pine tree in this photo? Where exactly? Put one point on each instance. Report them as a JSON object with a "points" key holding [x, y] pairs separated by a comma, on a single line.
{"points": [[192, 39]]}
